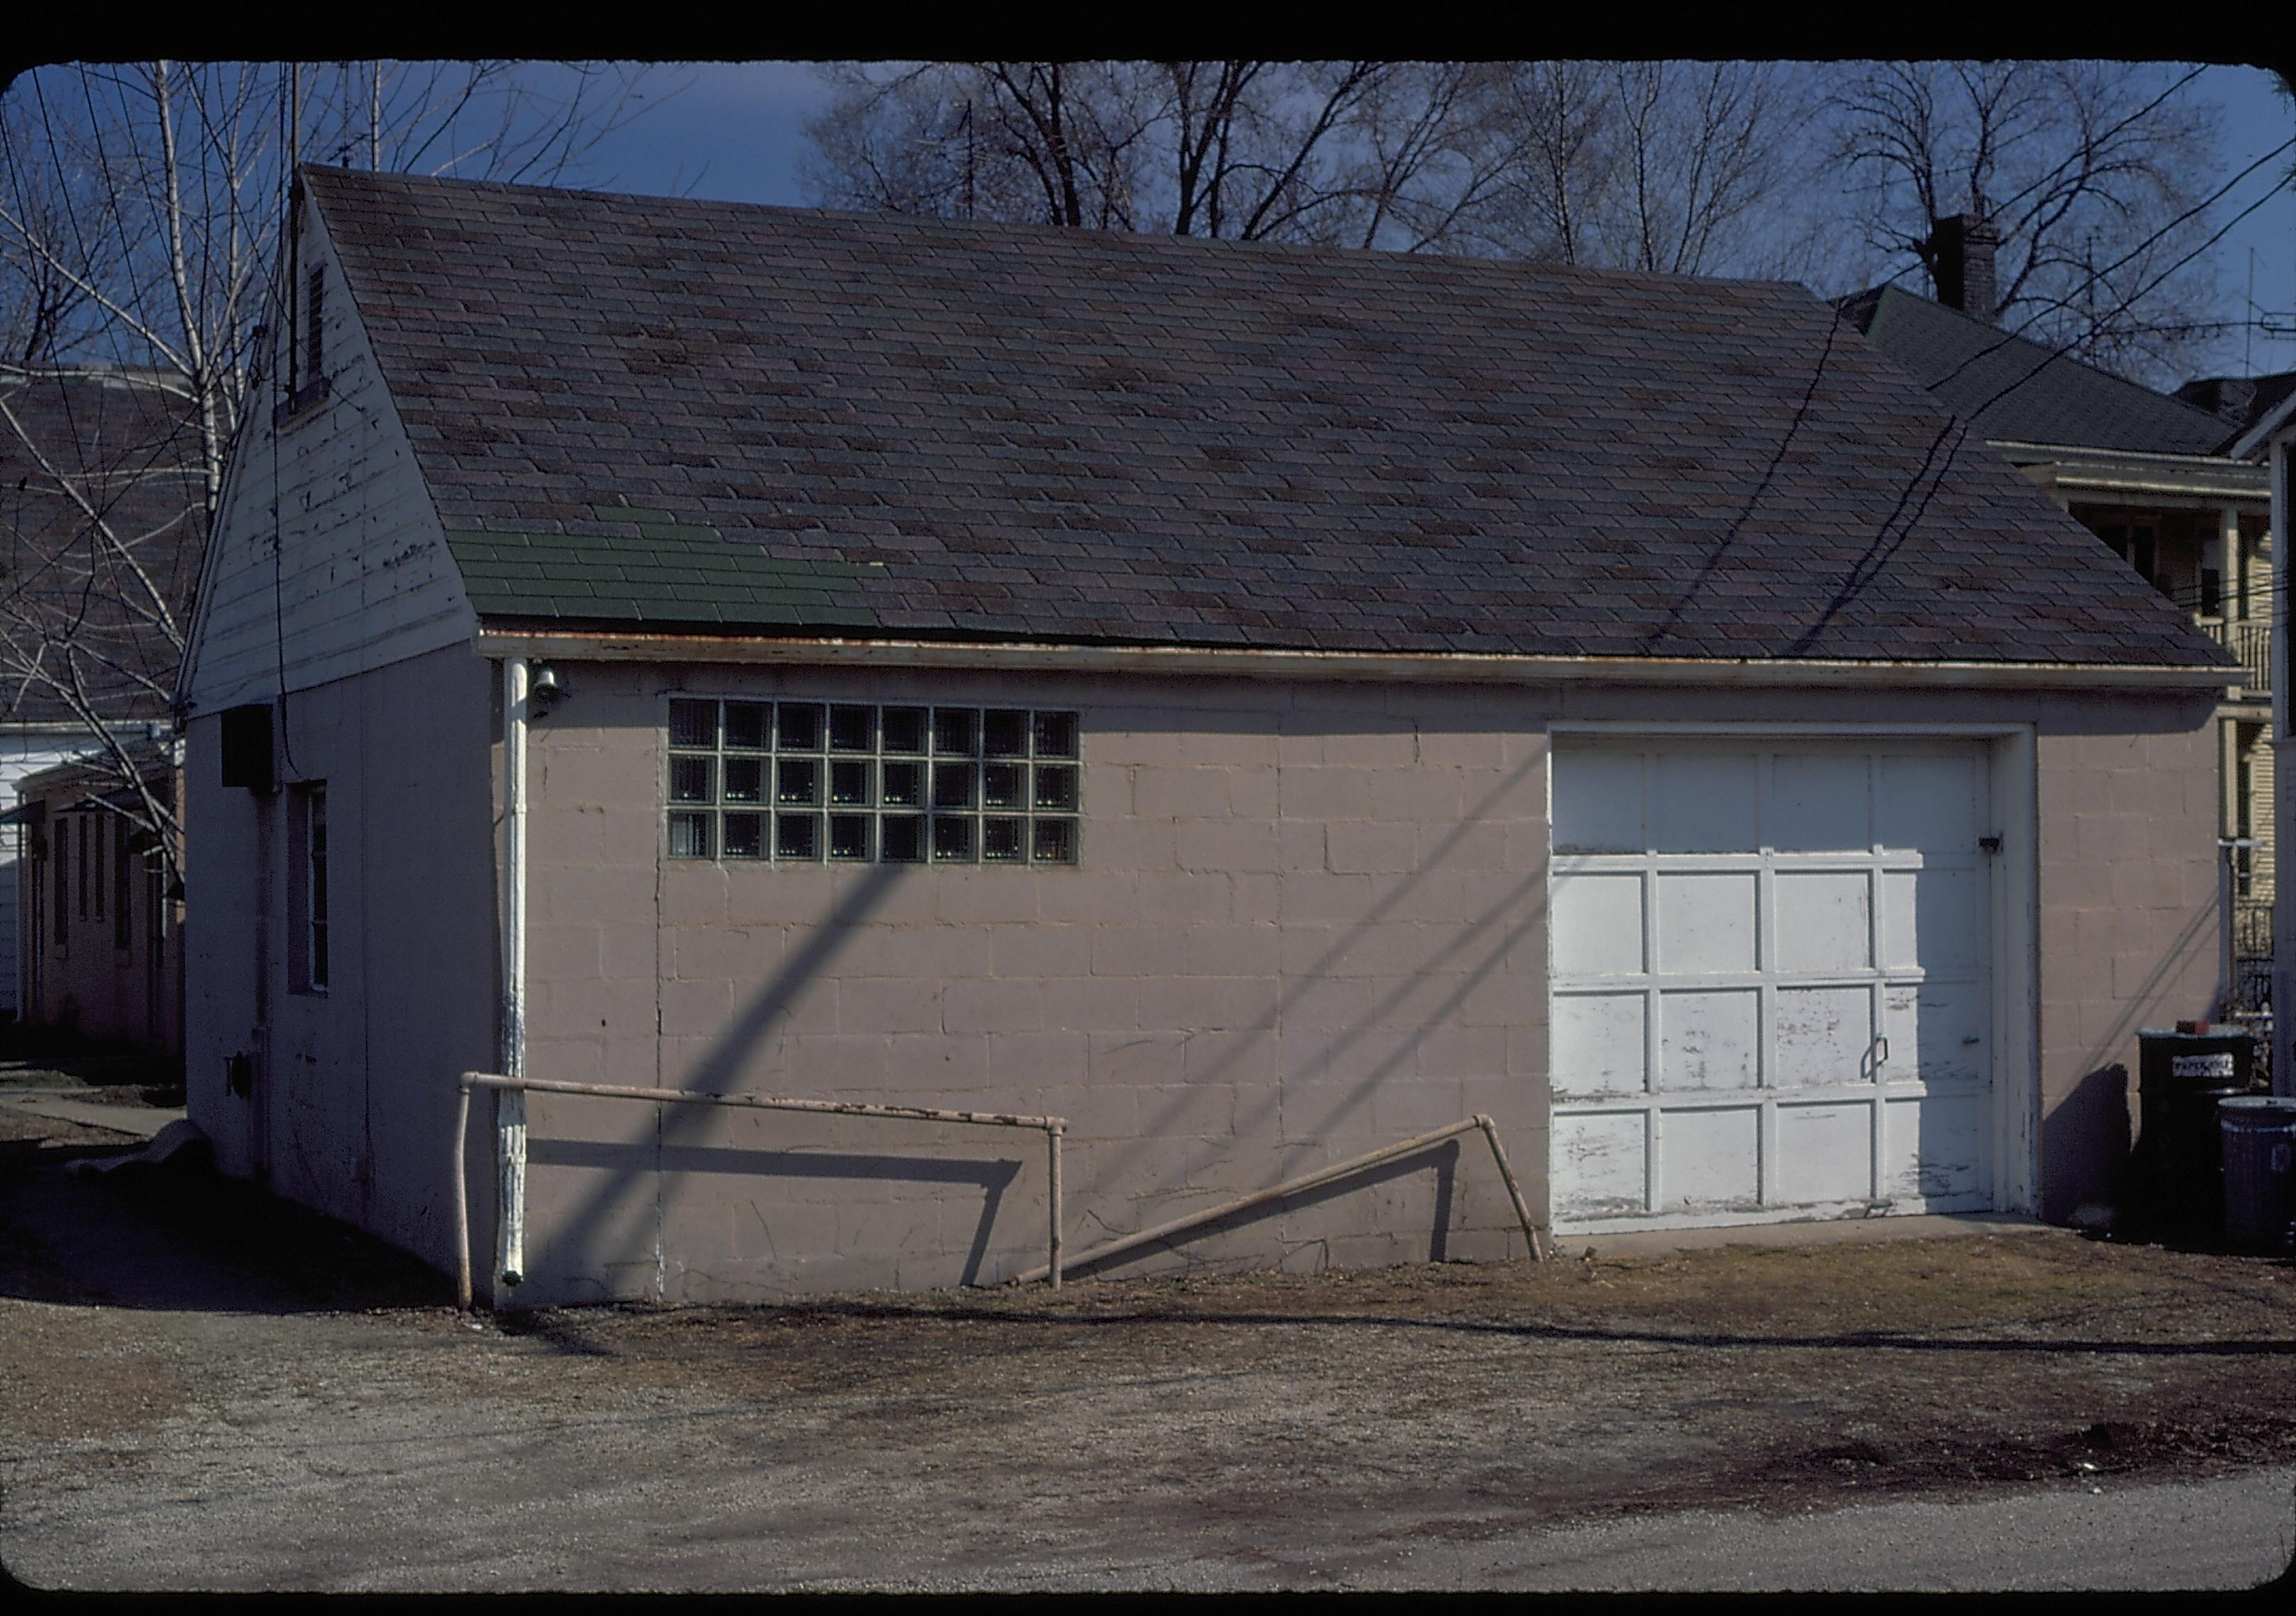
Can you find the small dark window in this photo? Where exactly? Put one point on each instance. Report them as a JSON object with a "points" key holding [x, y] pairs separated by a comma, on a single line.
{"points": [[63, 880], [80, 871], [307, 877], [313, 348]]}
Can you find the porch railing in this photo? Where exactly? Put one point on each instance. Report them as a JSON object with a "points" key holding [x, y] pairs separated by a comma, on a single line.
{"points": [[2252, 642]]}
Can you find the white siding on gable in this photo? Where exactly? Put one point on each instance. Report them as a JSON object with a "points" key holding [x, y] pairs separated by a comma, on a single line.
{"points": [[328, 559]]}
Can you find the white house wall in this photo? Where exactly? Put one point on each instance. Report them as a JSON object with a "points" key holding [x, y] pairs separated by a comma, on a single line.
{"points": [[362, 578]]}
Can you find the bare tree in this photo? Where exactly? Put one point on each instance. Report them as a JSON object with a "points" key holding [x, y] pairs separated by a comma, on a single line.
{"points": [[140, 210], [2093, 173], [1347, 153], [1679, 168]]}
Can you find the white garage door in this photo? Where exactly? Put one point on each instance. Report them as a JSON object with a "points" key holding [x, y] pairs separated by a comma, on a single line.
{"points": [[1771, 982]]}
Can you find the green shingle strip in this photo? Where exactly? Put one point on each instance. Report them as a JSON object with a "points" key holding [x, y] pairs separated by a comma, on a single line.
{"points": [[677, 575], [570, 607]]}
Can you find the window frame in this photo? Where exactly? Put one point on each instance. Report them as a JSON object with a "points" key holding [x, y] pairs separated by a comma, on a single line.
{"points": [[309, 939], [790, 810]]}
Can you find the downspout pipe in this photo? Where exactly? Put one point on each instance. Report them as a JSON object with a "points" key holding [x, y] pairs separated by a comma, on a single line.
{"points": [[510, 1103], [2276, 450]]}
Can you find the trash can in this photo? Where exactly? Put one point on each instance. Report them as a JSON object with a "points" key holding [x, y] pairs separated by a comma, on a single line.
{"points": [[2260, 1169], [2181, 1079]]}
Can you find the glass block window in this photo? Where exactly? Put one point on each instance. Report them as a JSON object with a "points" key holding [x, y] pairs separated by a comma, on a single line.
{"points": [[847, 783]]}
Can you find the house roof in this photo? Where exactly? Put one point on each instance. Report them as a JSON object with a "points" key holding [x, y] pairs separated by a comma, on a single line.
{"points": [[130, 446], [2016, 390], [670, 413], [2240, 402]]}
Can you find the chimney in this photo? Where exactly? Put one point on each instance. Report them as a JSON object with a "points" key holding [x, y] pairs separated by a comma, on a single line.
{"points": [[1964, 245]]}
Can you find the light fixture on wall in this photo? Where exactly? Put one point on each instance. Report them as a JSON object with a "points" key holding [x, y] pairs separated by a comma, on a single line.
{"points": [[546, 690]]}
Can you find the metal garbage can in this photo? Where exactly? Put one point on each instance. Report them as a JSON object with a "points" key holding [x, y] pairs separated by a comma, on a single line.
{"points": [[2181, 1079], [2259, 1171]]}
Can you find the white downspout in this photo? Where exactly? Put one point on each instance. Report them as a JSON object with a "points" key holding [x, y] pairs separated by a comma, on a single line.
{"points": [[510, 1103], [2276, 450]]}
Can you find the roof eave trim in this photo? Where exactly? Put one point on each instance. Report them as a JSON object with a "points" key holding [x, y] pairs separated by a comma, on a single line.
{"points": [[2277, 420], [607, 646]]}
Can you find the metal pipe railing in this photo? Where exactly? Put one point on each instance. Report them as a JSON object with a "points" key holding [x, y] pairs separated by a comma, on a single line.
{"points": [[1054, 1127], [1305, 1182]]}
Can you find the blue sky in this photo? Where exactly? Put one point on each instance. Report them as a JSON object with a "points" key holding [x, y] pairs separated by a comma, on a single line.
{"points": [[734, 131]]}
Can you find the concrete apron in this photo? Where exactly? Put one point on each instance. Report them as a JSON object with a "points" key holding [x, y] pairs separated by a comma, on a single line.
{"points": [[1817, 1232], [137, 1122]]}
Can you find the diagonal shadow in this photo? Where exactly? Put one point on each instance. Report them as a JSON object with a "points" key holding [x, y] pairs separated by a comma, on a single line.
{"points": [[1443, 1157], [1358, 1026], [677, 1127], [993, 1175]]}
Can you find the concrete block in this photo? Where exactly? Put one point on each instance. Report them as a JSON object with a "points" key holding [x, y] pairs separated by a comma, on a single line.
{"points": [[984, 895], [1038, 952], [1139, 1059], [1226, 844], [1180, 793], [1371, 849], [699, 1008], [1093, 1004], [991, 1005], [1394, 747], [890, 1005], [1209, 1004], [1176, 899], [1037, 1062]]}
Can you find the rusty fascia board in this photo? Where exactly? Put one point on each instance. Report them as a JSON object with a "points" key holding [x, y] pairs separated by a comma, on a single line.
{"points": [[611, 645], [2206, 481]]}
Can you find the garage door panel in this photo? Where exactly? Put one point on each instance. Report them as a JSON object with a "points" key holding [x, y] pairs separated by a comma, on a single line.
{"points": [[1926, 801], [1710, 1039], [1599, 1045], [1705, 802], [1933, 1148], [1822, 1035], [1825, 920], [1707, 923], [1825, 1152], [1937, 1032], [1598, 804], [1711, 1160], [1939, 919], [1602, 1164], [1818, 804], [1598, 925]]}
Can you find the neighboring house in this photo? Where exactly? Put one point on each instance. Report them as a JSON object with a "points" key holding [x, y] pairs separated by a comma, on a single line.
{"points": [[2269, 440], [2150, 475], [101, 942], [100, 528], [1258, 703]]}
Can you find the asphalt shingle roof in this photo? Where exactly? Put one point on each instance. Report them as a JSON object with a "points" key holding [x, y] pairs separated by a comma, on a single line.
{"points": [[79, 591], [2014, 391], [941, 430]]}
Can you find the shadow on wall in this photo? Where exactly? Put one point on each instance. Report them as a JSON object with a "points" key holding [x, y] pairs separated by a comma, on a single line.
{"points": [[678, 1127], [1443, 1157], [2088, 1126], [994, 1177], [1465, 960]]}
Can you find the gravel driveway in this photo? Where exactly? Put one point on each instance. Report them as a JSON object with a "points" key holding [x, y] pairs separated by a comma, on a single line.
{"points": [[204, 1389]]}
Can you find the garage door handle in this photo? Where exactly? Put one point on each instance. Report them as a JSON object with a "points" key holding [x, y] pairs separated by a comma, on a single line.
{"points": [[1880, 1053]]}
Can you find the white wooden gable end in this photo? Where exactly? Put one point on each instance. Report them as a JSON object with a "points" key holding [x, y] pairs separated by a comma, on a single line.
{"points": [[328, 558]]}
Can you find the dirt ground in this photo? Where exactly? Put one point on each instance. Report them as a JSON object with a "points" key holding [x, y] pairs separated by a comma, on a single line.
{"points": [[202, 1388]]}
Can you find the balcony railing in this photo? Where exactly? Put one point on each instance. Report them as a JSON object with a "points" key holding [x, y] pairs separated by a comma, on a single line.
{"points": [[2252, 642]]}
